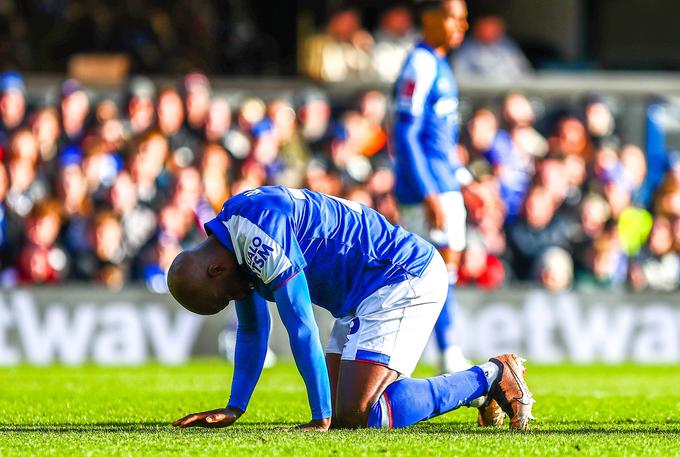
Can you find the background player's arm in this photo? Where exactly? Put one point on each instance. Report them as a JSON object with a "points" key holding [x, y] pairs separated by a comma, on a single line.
{"points": [[407, 134], [295, 307], [252, 335], [407, 130]]}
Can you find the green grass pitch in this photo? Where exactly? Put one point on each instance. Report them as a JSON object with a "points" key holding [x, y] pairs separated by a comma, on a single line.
{"points": [[594, 410]]}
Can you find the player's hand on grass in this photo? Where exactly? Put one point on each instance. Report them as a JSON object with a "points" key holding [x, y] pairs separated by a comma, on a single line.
{"points": [[215, 418], [316, 425], [434, 212]]}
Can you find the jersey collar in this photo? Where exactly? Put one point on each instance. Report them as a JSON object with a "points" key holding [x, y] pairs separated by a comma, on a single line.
{"points": [[218, 228]]}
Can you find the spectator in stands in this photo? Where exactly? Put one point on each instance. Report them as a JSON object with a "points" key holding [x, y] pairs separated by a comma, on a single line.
{"points": [[189, 197], [23, 146], [140, 106], [218, 121], [610, 264], [342, 53], [489, 53], [570, 137], [600, 122], [26, 188], [555, 270], [74, 112], [42, 260], [393, 39], [170, 112], [110, 250], [538, 229], [667, 199], [593, 216], [294, 152], [519, 119], [313, 114], [13, 109], [634, 165], [478, 267], [77, 207], [148, 169], [138, 222], [511, 165], [373, 108], [562, 184], [47, 131], [196, 88], [657, 267]]}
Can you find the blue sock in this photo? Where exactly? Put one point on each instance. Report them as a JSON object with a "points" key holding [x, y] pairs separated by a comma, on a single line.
{"points": [[409, 401], [443, 328]]}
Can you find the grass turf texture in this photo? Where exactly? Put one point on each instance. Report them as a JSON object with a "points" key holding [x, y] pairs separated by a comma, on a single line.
{"points": [[594, 410]]}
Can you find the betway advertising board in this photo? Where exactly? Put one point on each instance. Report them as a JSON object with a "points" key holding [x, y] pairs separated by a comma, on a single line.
{"points": [[79, 325]]}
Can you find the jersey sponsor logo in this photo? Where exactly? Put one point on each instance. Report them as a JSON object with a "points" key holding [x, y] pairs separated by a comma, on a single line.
{"points": [[257, 254], [408, 87], [445, 106], [253, 247]]}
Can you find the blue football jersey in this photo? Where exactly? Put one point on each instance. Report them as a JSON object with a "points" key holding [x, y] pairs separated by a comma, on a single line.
{"points": [[426, 93], [346, 250]]}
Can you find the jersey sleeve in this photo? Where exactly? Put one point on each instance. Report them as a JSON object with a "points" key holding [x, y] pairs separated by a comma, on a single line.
{"points": [[263, 241], [413, 87]]}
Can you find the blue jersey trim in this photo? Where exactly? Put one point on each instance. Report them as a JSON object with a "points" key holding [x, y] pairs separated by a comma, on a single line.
{"points": [[217, 228], [363, 355]]}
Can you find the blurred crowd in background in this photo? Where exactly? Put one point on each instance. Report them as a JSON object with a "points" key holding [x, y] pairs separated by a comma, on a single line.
{"points": [[345, 51], [109, 191], [179, 35]]}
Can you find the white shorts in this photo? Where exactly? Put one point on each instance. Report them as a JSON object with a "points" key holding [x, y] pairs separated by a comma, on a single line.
{"points": [[391, 326], [453, 236]]}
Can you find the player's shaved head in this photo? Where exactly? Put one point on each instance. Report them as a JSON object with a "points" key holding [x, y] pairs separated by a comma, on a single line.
{"points": [[205, 278]]}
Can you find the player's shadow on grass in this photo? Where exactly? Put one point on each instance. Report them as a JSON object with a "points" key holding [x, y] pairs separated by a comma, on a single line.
{"points": [[576, 429], [116, 427]]}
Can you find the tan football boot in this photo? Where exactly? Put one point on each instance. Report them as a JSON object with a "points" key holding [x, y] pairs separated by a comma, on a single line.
{"points": [[490, 414], [511, 392]]}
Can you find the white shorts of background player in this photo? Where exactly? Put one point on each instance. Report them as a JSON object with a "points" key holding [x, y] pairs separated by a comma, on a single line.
{"points": [[452, 236]]}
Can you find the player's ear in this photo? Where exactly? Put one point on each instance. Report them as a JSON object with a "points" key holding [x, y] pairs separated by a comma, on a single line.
{"points": [[215, 270]]}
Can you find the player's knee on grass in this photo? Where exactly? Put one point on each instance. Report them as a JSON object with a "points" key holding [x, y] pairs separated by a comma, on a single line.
{"points": [[351, 416]]}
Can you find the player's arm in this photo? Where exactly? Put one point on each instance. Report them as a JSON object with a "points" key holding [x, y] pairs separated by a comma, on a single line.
{"points": [[295, 307], [252, 335]]}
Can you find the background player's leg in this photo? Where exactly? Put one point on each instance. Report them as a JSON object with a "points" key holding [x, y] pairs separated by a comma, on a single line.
{"points": [[360, 384], [452, 357]]}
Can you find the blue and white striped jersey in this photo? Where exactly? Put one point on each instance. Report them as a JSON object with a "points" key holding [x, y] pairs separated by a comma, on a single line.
{"points": [[425, 129], [346, 250]]}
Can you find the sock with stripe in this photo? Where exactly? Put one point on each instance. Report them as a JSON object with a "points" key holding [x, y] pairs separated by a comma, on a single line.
{"points": [[408, 401]]}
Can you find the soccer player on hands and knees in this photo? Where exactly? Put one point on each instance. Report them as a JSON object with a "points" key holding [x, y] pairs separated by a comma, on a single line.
{"points": [[430, 181], [385, 286]]}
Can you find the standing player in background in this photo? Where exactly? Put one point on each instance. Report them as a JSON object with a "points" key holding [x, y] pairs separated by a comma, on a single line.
{"points": [[429, 176]]}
